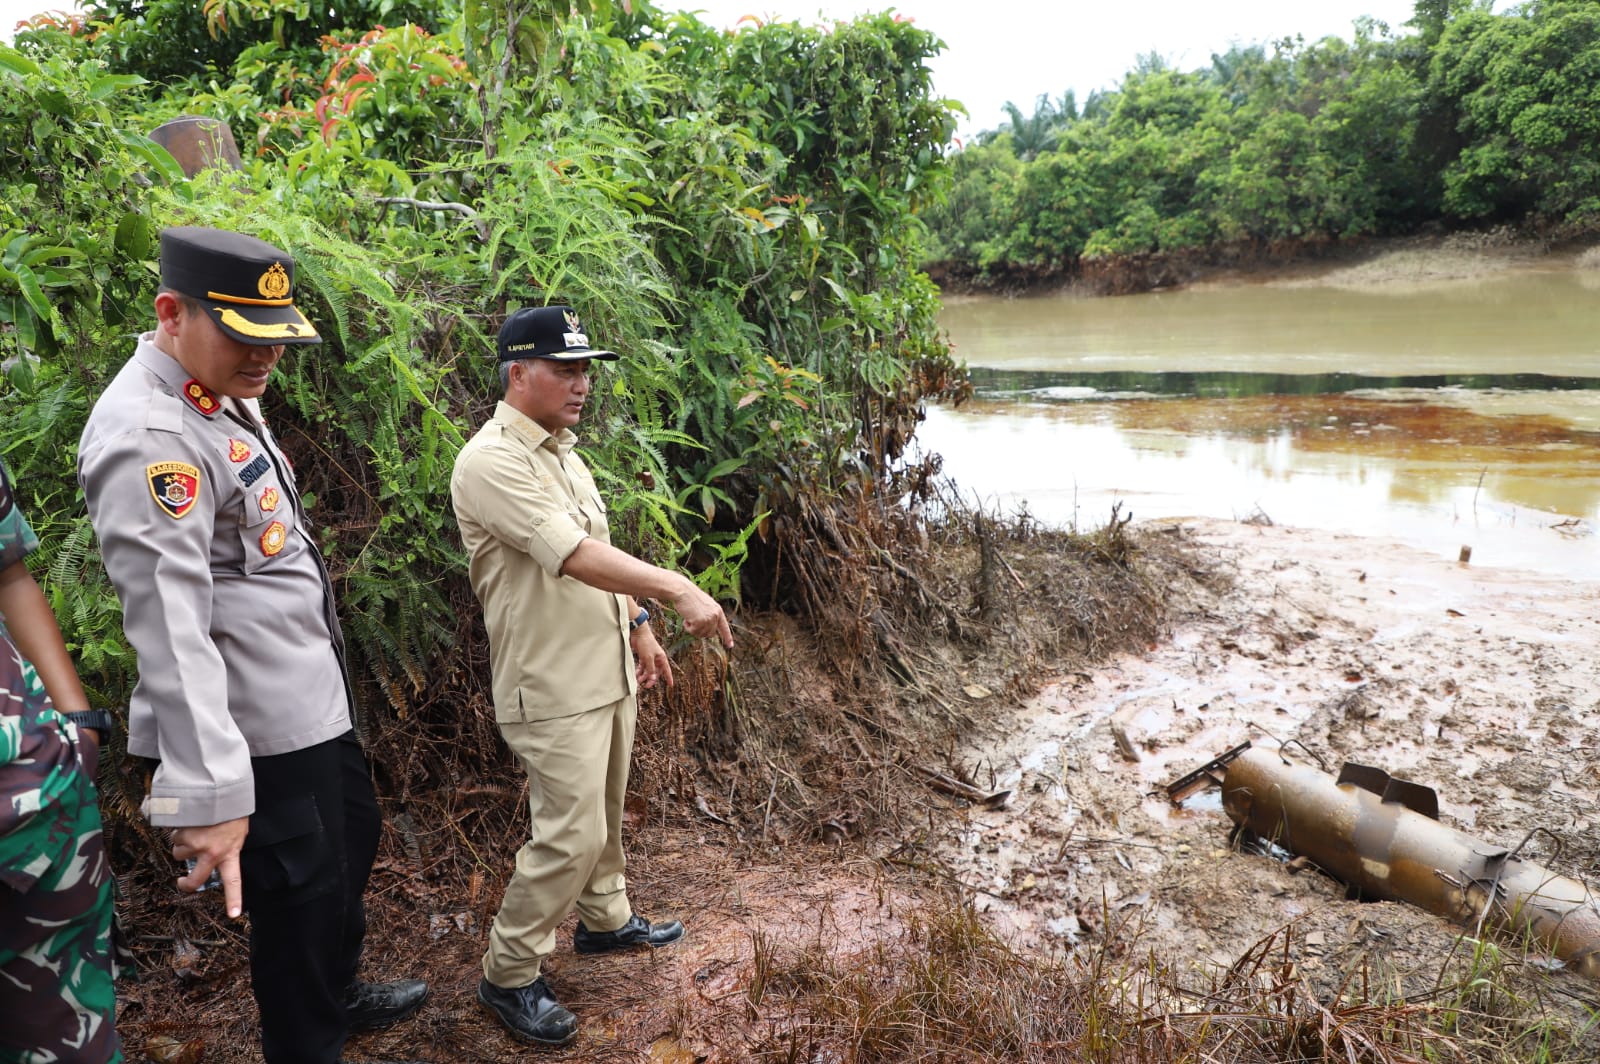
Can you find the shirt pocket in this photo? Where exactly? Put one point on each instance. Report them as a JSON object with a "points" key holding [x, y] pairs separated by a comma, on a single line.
{"points": [[267, 524]]}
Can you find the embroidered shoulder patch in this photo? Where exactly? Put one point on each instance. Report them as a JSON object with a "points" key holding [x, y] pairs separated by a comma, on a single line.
{"points": [[175, 486], [269, 500], [273, 539], [238, 450], [201, 399]]}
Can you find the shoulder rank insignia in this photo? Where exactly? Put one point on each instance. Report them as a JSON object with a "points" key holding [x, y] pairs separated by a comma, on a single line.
{"points": [[175, 486], [269, 500], [273, 538], [238, 450], [201, 399]]}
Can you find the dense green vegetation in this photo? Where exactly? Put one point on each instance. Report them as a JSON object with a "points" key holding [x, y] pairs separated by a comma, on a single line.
{"points": [[1473, 117], [732, 211]]}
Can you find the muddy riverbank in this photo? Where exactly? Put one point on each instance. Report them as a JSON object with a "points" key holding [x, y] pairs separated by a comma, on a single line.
{"points": [[813, 938], [1477, 682], [1427, 256]]}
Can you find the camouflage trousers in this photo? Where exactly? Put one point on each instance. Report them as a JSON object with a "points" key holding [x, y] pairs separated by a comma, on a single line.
{"points": [[56, 972]]}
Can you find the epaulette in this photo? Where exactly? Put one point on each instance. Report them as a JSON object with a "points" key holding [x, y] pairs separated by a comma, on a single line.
{"points": [[165, 413]]}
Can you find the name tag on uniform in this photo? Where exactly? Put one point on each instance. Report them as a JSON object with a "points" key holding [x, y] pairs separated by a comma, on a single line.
{"points": [[255, 470]]}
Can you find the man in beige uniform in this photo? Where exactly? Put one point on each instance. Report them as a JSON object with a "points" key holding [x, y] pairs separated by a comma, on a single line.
{"points": [[564, 633], [242, 691]]}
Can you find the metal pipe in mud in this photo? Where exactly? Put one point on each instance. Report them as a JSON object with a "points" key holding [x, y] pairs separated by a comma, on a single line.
{"points": [[1385, 850]]}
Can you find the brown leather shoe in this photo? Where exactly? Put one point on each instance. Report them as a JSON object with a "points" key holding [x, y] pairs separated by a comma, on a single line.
{"points": [[635, 933]]}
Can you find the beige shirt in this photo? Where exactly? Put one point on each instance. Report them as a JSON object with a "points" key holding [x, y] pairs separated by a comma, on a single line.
{"points": [[525, 501], [224, 595]]}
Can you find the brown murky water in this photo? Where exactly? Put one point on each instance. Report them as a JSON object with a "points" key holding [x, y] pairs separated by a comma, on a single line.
{"points": [[1443, 414]]}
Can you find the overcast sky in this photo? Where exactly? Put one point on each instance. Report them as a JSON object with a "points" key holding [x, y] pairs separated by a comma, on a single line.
{"points": [[1000, 50]]}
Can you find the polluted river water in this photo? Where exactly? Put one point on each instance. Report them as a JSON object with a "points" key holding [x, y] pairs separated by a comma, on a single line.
{"points": [[1448, 413]]}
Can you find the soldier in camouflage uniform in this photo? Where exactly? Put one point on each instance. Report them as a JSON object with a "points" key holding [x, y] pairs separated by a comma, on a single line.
{"points": [[56, 997]]}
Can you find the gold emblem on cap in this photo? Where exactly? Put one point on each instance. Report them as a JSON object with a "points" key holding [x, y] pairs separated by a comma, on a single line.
{"points": [[572, 321], [274, 284]]}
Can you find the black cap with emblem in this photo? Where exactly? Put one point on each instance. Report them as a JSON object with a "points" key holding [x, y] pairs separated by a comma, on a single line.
{"points": [[546, 332], [245, 285]]}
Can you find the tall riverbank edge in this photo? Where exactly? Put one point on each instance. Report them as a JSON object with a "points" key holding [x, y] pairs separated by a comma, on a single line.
{"points": [[781, 801], [1455, 253]]}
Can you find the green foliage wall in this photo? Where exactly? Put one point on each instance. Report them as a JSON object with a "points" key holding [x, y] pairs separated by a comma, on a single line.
{"points": [[667, 179]]}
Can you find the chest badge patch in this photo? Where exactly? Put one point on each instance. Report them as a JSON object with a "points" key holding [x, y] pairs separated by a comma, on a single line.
{"points": [[175, 486], [269, 500], [238, 450], [201, 399], [273, 539]]}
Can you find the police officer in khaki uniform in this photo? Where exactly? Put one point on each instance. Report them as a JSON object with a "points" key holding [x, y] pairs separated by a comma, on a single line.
{"points": [[568, 647], [242, 693]]}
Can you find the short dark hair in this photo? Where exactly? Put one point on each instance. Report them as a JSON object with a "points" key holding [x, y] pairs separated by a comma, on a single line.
{"points": [[189, 303]]}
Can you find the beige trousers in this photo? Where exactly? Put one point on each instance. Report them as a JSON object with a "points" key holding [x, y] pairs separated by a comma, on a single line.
{"points": [[577, 772]]}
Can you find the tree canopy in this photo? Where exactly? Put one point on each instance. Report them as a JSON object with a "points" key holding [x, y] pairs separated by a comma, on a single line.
{"points": [[1475, 117]]}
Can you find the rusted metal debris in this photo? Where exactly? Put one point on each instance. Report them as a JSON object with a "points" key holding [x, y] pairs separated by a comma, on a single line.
{"points": [[1382, 838], [1207, 775]]}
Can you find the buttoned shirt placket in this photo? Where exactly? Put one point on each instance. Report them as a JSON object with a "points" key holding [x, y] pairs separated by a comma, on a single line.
{"points": [[237, 413]]}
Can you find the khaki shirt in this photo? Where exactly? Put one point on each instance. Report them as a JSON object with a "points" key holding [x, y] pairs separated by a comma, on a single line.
{"points": [[224, 596], [525, 501]]}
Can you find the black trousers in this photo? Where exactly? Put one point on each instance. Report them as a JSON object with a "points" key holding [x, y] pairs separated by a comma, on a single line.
{"points": [[305, 865]]}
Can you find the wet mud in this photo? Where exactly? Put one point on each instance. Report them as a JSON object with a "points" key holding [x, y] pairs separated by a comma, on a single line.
{"points": [[1480, 683]]}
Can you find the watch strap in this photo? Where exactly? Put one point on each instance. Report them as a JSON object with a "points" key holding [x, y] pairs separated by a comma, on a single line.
{"points": [[98, 719]]}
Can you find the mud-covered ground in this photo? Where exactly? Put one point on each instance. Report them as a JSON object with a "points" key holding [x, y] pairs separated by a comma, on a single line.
{"points": [[1480, 683]]}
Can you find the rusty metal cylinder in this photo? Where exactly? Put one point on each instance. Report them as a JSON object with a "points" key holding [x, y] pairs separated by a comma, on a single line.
{"points": [[197, 142], [1387, 851]]}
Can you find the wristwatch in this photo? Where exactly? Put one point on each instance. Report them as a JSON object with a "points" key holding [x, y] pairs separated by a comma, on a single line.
{"points": [[98, 719], [641, 620]]}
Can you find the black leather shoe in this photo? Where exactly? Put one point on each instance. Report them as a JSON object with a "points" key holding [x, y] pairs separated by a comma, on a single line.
{"points": [[370, 1005], [531, 1013], [636, 932]]}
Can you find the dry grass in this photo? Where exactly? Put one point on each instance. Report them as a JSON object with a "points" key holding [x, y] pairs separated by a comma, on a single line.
{"points": [[950, 990]]}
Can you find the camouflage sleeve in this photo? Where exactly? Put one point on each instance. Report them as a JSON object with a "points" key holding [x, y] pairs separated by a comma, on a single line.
{"points": [[17, 540], [37, 770]]}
